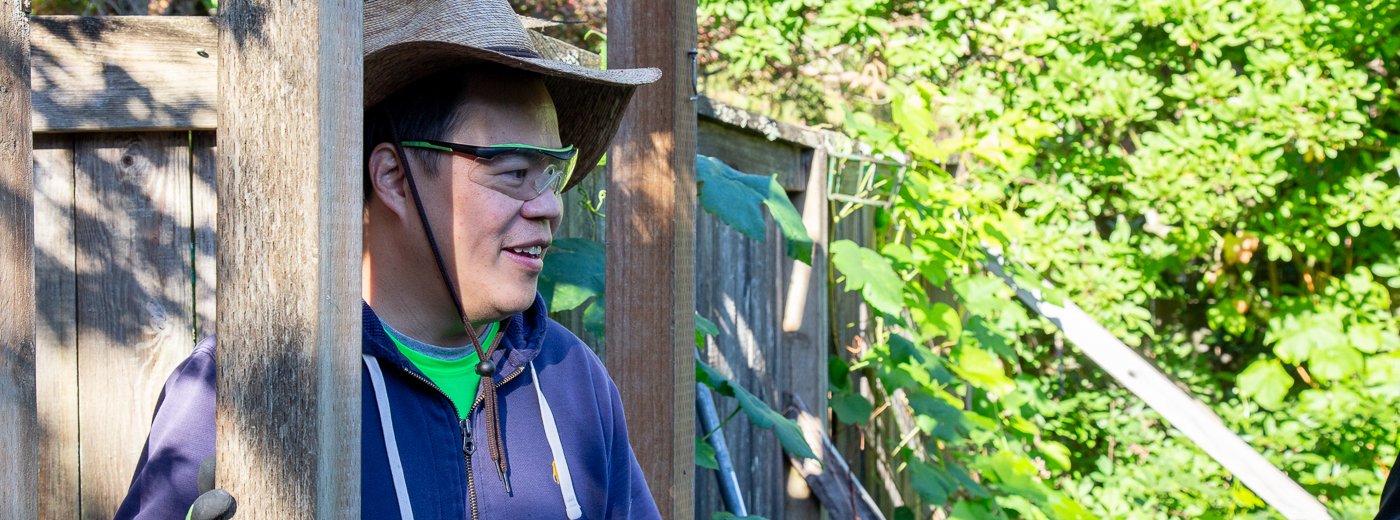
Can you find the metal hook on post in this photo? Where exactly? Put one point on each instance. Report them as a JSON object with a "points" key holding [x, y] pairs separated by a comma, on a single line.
{"points": [[694, 74]]}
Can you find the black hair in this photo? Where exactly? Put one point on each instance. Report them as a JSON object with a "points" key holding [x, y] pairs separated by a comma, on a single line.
{"points": [[425, 109], [428, 108]]}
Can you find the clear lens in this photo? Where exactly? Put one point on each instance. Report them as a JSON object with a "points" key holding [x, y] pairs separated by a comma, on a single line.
{"points": [[523, 174]]}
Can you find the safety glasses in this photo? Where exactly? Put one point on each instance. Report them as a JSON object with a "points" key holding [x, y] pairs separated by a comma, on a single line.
{"points": [[520, 171]]}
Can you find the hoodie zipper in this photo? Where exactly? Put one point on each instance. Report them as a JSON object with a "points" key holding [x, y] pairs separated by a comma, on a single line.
{"points": [[468, 447]]}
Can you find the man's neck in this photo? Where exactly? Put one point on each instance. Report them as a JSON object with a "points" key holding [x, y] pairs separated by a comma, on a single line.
{"points": [[415, 305]]}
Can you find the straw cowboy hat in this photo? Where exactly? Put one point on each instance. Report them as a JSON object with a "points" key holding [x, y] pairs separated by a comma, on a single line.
{"points": [[410, 39]]}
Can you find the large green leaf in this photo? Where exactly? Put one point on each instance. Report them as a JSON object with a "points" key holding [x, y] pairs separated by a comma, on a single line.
{"points": [[1334, 361], [736, 198], [871, 274], [1266, 383], [931, 483], [758, 412], [851, 408], [982, 369], [573, 273], [705, 454]]}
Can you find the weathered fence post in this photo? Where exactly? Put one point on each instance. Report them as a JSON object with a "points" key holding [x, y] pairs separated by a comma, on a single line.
{"points": [[651, 246], [290, 200], [19, 428]]}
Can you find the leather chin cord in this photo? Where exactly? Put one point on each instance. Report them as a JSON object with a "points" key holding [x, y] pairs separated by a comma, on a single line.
{"points": [[485, 368]]}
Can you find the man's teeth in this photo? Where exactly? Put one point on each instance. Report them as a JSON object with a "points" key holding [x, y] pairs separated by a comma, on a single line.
{"points": [[531, 251]]}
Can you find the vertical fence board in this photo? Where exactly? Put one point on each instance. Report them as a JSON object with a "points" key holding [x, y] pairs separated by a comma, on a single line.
{"points": [[289, 242], [19, 430], [805, 342], [651, 253], [744, 286], [205, 204], [56, 349], [132, 217]]}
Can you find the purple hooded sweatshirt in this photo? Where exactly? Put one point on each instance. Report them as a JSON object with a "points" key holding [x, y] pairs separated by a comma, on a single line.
{"points": [[444, 476]]}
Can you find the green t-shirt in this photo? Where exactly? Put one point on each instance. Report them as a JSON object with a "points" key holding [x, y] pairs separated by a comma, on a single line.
{"points": [[455, 377]]}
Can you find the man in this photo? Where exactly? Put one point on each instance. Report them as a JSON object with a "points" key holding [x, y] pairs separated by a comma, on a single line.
{"points": [[476, 404]]}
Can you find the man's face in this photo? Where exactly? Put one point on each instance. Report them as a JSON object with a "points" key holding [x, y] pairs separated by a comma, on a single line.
{"points": [[491, 234]]}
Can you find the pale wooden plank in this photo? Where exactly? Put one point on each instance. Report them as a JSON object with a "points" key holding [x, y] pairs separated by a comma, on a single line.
{"points": [[132, 215], [205, 202], [19, 430], [289, 226], [805, 339], [56, 360], [1189, 416], [124, 72], [651, 246]]}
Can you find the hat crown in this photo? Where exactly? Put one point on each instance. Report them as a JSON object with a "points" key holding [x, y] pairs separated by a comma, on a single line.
{"points": [[484, 24]]}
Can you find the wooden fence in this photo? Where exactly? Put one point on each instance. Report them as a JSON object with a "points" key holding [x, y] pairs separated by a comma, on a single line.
{"points": [[124, 263], [126, 267]]}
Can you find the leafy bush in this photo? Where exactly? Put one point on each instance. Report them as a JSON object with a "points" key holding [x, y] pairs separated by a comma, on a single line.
{"points": [[1216, 181]]}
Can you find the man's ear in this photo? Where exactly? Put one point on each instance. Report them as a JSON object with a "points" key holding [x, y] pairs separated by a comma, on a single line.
{"points": [[387, 180]]}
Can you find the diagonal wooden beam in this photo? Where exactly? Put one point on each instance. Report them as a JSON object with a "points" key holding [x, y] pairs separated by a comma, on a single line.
{"points": [[1177, 406], [19, 428]]}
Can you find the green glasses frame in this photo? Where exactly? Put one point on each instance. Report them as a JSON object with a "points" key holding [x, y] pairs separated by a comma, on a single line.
{"points": [[556, 174]]}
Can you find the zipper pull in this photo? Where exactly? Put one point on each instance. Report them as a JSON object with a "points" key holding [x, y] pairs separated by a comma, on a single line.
{"points": [[467, 445]]}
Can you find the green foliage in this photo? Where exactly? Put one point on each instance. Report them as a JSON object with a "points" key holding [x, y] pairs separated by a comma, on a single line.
{"points": [[1217, 182], [573, 278], [705, 454], [759, 414], [868, 272], [735, 197]]}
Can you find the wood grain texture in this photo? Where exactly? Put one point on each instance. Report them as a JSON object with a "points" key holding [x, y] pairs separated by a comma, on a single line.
{"points": [[747, 288], [124, 73], [651, 246], [134, 300], [289, 225], [19, 430], [148, 72], [738, 288], [750, 152], [1192, 418], [56, 351], [804, 336], [205, 205], [558, 50]]}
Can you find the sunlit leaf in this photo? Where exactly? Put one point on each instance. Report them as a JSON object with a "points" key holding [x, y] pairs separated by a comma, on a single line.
{"points": [[871, 274], [1266, 382], [736, 198]]}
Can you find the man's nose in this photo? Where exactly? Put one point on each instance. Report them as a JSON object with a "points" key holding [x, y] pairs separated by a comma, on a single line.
{"points": [[548, 205]]}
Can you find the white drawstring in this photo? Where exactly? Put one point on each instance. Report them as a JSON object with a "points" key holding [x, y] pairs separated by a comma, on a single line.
{"points": [[551, 433], [391, 444]]}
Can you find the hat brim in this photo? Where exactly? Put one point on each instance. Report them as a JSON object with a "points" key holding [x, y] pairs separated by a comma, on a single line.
{"points": [[589, 102]]}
